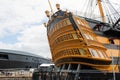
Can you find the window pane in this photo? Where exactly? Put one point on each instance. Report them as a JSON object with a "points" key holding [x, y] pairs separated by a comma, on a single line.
{"points": [[82, 51], [101, 54], [105, 55], [75, 36], [91, 37], [95, 53], [86, 36], [91, 52], [76, 51], [78, 21], [68, 22]]}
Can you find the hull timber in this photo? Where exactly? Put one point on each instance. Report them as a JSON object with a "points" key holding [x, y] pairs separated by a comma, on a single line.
{"points": [[77, 45]]}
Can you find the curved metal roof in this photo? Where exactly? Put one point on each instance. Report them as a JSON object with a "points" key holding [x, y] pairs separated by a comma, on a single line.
{"points": [[8, 51]]}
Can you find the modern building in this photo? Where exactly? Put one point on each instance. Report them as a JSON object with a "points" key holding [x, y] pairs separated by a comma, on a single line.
{"points": [[20, 59]]}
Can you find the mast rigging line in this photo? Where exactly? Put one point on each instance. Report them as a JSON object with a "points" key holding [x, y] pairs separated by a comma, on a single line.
{"points": [[109, 19], [107, 15], [112, 3], [81, 8], [87, 2], [93, 9], [88, 7], [110, 10], [111, 15], [116, 16], [116, 23]]}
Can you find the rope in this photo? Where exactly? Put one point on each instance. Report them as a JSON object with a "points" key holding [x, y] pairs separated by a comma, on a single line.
{"points": [[107, 15], [92, 11], [107, 12], [83, 6], [87, 3], [88, 7], [112, 9]]}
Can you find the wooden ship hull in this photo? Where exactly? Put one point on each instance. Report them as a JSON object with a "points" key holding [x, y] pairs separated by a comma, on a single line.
{"points": [[76, 44]]}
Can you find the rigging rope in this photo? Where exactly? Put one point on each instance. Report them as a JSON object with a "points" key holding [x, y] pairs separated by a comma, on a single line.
{"points": [[88, 8], [108, 13], [112, 10], [82, 8], [93, 9], [87, 3]]}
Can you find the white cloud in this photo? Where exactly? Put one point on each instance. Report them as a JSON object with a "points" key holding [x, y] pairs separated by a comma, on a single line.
{"points": [[25, 17], [32, 40], [16, 15]]}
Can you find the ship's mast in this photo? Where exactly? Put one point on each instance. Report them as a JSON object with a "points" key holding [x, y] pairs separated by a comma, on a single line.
{"points": [[101, 10], [50, 6]]}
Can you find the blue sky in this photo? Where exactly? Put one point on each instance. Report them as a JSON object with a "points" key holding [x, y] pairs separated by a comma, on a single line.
{"points": [[21, 23], [10, 39]]}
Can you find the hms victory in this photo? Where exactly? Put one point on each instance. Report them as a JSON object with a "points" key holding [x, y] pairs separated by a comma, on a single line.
{"points": [[83, 47]]}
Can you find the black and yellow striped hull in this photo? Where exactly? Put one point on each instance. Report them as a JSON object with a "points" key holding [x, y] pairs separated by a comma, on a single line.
{"points": [[73, 42]]}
